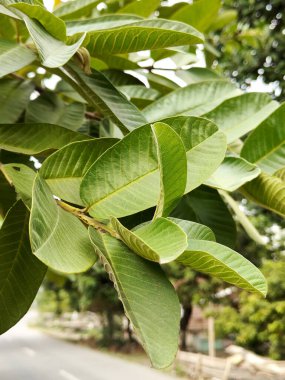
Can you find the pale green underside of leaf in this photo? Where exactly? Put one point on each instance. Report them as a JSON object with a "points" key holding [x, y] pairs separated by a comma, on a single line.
{"points": [[102, 95], [194, 230], [142, 35], [267, 191], [21, 273], [265, 146], [64, 169], [22, 178], [100, 23], [14, 57], [161, 240], [194, 99], [52, 52], [239, 115], [149, 299], [14, 97], [232, 174], [222, 262], [172, 164], [35, 138], [131, 183], [53, 237]]}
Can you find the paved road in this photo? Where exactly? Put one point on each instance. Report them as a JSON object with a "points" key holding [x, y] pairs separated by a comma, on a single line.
{"points": [[26, 354]]}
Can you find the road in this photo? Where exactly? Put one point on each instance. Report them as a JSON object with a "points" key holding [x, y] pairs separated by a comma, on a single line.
{"points": [[27, 354]]}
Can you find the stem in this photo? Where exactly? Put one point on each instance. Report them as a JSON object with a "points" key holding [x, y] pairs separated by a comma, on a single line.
{"points": [[79, 213]]}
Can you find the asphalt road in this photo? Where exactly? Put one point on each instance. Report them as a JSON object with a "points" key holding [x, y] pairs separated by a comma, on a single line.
{"points": [[26, 354]]}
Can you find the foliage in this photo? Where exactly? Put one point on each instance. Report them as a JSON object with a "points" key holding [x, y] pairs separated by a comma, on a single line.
{"points": [[252, 45], [258, 323], [130, 166]]}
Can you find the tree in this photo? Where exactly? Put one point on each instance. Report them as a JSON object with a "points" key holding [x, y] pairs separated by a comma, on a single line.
{"points": [[106, 166], [252, 45]]}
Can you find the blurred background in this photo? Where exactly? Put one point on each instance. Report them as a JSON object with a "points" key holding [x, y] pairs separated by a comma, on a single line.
{"points": [[225, 333]]}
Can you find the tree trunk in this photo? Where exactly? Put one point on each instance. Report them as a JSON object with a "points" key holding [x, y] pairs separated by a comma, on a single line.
{"points": [[187, 312]]}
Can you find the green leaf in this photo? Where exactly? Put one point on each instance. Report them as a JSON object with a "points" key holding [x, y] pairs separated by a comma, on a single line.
{"points": [[222, 262], [232, 174], [36, 138], [194, 99], [199, 14], [149, 299], [130, 167], [7, 195], [75, 9], [205, 147], [144, 8], [52, 234], [64, 169], [239, 115], [172, 163], [22, 177], [194, 230], [101, 94], [14, 97], [141, 96], [142, 35], [205, 205], [267, 191], [265, 146], [161, 240], [21, 273], [160, 83], [14, 57], [52, 52], [53, 25], [99, 23], [48, 106]]}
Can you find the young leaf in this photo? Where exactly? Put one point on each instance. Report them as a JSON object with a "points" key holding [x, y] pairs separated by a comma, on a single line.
{"points": [[172, 165], [232, 174], [35, 138], [241, 114], [21, 273], [194, 99], [265, 146], [222, 262], [149, 299], [64, 169], [22, 177], [58, 238], [161, 241]]}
